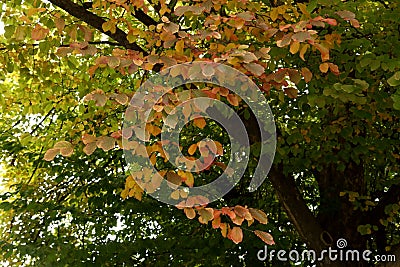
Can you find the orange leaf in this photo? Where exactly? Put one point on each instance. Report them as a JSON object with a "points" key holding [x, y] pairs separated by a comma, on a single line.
{"points": [[238, 220], [334, 68], [190, 213], [235, 234], [224, 229], [264, 236], [324, 67], [220, 149], [323, 50], [259, 215], [242, 212], [233, 100], [303, 50], [200, 122], [60, 24], [216, 223], [192, 149], [307, 74], [291, 92]]}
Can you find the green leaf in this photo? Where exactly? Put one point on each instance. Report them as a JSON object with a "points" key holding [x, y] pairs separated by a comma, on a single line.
{"points": [[394, 80]]}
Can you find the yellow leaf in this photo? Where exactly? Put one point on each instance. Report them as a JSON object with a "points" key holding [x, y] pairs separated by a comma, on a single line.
{"points": [[124, 193], [274, 14], [109, 26], [294, 47], [175, 195], [303, 8], [303, 50], [187, 178], [206, 215], [179, 47], [130, 182]]}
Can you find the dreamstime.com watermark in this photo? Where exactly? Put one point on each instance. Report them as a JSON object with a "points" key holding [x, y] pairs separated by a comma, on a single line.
{"points": [[332, 254]]}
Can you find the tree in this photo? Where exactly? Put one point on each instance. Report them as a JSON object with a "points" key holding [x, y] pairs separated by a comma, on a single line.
{"points": [[329, 70]]}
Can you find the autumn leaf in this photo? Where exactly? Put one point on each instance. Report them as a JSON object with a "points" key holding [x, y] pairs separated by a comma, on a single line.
{"points": [[265, 237], [294, 47], [259, 215], [254, 68], [51, 154], [105, 142], [66, 149], [323, 50], [307, 74], [190, 213], [233, 99], [324, 67], [235, 234], [303, 50], [98, 96], [291, 92], [192, 149], [206, 215], [39, 32], [200, 122], [60, 24]]}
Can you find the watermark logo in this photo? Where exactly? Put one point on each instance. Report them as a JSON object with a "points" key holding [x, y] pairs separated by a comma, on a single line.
{"points": [[340, 253], [155, 95]]}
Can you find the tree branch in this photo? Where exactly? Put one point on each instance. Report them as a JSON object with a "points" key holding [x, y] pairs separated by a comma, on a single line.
{"points": [[96, 22], [300, 215]]}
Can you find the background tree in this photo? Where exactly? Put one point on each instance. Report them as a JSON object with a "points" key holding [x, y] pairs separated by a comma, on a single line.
{"points": [[330, 70]]}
